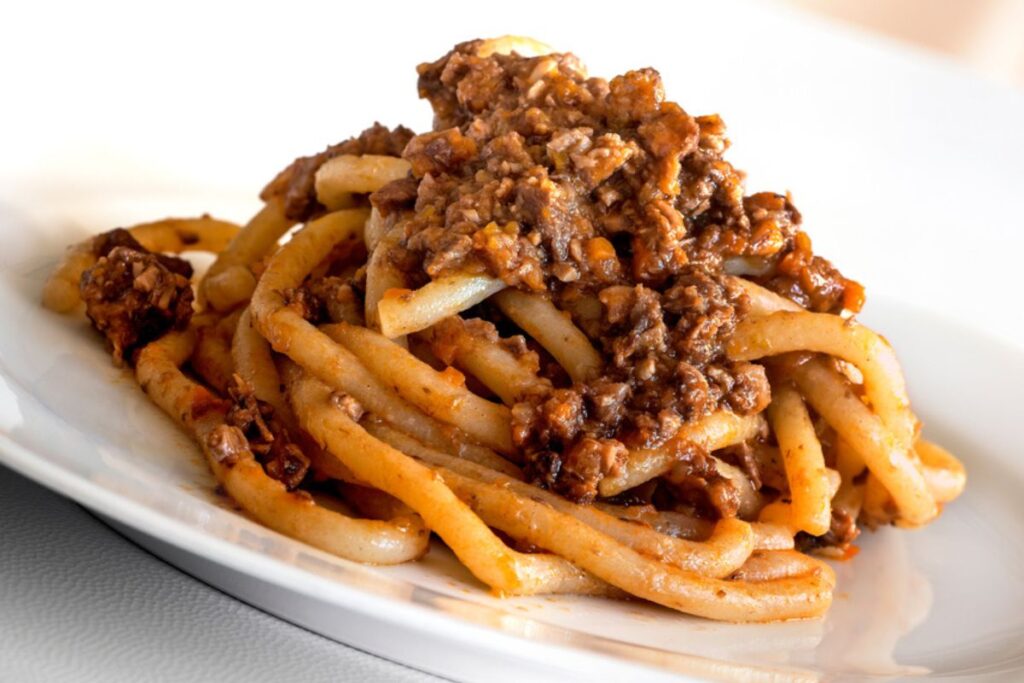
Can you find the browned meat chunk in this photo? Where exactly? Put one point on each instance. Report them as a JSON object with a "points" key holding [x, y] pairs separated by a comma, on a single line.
{"points": [[133, 298], [586, 464], [439, 152], [697, 483], [842, 532], [395, 196], [268, 438], [327, 299]]}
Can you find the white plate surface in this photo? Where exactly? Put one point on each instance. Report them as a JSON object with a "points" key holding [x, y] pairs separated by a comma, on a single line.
{"points": [[907, 172]]}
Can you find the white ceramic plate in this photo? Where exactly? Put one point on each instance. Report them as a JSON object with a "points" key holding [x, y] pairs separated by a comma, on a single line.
{"points": [[945, 600]]}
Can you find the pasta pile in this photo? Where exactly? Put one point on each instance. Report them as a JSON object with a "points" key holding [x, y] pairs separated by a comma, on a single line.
{"points": [[294, 383]]}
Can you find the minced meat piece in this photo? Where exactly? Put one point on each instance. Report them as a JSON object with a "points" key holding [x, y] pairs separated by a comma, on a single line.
{"points": [[585, 464], [395, 196], [696, 482], [326, 299], [349, 405], [304, 301], [226, 443], [268, 439], [133, 298]]}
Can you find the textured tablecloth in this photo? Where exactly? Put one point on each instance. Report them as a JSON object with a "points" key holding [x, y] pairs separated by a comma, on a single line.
{"points": [[80, 603]]}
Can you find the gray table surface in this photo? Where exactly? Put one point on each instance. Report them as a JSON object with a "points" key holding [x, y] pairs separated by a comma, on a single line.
{"points": [[78, 602]]}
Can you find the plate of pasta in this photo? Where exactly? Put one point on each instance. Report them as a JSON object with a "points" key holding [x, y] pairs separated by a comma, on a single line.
{"points": [[544, 374]]}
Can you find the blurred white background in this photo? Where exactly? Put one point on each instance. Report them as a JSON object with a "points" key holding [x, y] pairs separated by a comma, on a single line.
{"points": [[905, 163], [987, 35]]}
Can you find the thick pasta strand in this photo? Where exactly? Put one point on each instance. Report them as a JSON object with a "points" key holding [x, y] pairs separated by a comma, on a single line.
{"points": [[715, 431], [509, 376], [254, 361], [788, 597], [683, 525], [804, 460], [212, 356], [945, 475], [788, 331], [441, 395], [887, 458], [554, 330], [763, 301], [381, 276], [339, 178], [229, 281], [403, 312]]}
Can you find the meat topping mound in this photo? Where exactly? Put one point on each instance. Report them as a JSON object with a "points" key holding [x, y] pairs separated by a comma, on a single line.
{"points": [[133, 297], [621, 207], [618, 205], [530, 159]]}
